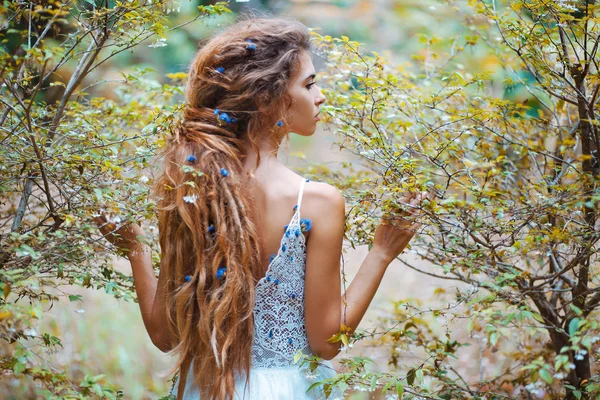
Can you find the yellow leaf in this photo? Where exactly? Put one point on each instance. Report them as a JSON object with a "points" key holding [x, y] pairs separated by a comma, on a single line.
{"points": [[177, 76], [335, 338], [5, 314], [344, 339]]}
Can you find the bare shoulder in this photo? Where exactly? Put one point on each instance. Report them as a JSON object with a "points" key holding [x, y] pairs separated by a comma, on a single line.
{"points": [[323, 202], [323, 194]]}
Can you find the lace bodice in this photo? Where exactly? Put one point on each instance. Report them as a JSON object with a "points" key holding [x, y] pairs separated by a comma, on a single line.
{"points": [[279, 330]]}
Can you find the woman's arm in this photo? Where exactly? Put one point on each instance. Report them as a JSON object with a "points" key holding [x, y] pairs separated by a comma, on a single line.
{"points": [[150, 291], [325, 310], [151, 297]]}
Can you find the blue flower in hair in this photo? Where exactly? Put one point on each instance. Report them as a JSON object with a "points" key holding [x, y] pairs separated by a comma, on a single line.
{"points": [[216, 112], [188, 278], [191, 158], [233, 120], [225, 118], [220, 70], [221, 272], [305, 224], [224, 172], [211, 228], [250, 46], [280, 123]]}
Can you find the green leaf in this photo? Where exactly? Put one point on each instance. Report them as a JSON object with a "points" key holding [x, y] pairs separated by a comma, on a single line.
{"points": [[314, 385], [573, 326], [373, 382], [470, 325], [546, 376], [19, 368], [538, 317], [386, 387], [399, 390], [410, 376], [97, 389], [75, 297], [297, 357], [494, 338], [576, 309], [419, 375]]}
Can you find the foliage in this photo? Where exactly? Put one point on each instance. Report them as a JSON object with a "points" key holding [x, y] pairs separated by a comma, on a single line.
{"points": [[68, 152], [514, 220]]}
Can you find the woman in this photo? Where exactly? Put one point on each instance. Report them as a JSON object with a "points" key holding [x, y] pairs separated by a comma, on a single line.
{"points": [[250, 267]]}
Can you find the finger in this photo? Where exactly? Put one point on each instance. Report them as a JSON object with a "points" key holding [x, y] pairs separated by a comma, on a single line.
{"points": [[411, 227], [107, 227], [101, 222], [419, 199], [403, 204]]}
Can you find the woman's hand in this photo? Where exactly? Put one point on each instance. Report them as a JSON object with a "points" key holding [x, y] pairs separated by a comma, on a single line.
{"points": [[126, 238], [396, 230]]}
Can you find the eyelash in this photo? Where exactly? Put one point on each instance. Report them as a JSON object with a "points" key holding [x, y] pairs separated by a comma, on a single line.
{"points": [[310, 85]]}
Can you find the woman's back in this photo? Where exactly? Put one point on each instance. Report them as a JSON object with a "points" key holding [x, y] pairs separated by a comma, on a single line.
{"points": [[279, 313], [274, 190]]}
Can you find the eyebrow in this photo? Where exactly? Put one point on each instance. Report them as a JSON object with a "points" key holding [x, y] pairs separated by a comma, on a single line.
{"points": [[311, 76]]}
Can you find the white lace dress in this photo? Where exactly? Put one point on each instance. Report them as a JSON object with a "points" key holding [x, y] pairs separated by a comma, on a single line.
{"points": [[279, 329]]}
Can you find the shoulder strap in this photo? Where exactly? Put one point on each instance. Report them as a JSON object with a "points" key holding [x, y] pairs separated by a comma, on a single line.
{"points": [[299, 202]]}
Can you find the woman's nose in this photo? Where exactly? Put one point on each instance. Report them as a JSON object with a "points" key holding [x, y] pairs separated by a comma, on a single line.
{"points": [[320, 98]]}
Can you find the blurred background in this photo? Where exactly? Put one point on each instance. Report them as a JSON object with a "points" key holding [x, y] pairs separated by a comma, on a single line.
{"points": [[107, 335]]}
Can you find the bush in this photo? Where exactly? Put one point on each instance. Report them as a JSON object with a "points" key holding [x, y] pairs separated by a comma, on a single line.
{"points": [[515, 218], [67, 153]]}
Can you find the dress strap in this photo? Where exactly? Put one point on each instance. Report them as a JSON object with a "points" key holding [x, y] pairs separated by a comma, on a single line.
{"points": [[299, 202]]}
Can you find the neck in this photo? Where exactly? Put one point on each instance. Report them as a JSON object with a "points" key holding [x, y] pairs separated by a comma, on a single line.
{"points": [[266, 149]]}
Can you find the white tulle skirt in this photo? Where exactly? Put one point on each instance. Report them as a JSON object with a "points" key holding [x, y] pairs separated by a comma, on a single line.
{"points": [[289, 383]]}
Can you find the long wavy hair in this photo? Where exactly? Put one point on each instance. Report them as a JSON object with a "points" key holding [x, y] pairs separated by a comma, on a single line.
{"points": [[236, 93]]}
